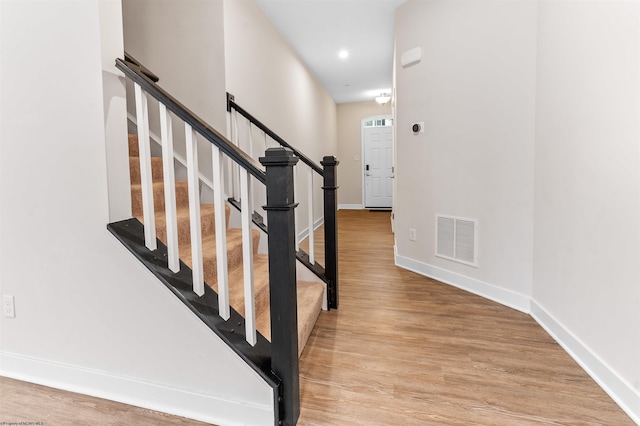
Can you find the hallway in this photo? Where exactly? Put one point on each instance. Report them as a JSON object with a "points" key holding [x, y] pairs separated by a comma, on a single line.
{"points": [[406, 350], [401, 350]]}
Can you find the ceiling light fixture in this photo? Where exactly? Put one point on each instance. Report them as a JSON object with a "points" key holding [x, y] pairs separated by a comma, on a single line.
{"points": [[383, 98], [343, 54]]}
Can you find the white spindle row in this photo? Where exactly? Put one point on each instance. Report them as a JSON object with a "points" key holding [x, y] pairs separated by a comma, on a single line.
{"points": [[239, 183], [242, 189]]}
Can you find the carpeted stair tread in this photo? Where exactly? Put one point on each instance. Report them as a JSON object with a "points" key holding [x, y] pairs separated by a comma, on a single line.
{"points": [[309, 300], [134, 163], [210, 265], [156, 169], [309, 305], [310, 294], [207, 222], [182, 196], [260, 285], [133, 146]]}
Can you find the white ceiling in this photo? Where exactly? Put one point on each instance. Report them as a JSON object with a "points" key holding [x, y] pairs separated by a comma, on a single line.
{"points": [[318, 29]]}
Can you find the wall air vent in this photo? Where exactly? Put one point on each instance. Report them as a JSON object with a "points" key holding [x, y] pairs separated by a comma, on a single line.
{"points": [[456, 239]]}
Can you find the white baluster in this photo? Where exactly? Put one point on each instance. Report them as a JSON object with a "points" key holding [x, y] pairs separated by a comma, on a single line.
{"points": [[146, 179], [194, 210], [310, 201], [234, 166], [250, 155], [229, 163], [221, 234], [250, 126], [166, 135], [247, 258], [265, 142]]}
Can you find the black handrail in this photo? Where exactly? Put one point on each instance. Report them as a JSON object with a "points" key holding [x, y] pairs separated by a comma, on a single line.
{"points": [[129, 58], [232, 104], [135, 73]]}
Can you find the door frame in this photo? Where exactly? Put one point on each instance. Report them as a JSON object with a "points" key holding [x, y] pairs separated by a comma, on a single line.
{"points": [[393, 143]]}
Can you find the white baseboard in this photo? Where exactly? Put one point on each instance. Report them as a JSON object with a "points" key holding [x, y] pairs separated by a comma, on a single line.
{"points": [[620, 391], [350, 207], [305, 232], [489, 291], [153, 396]]}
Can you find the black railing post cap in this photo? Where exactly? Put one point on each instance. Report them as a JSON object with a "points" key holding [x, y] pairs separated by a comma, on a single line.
{"points": [[280, 156], [329, 160]]}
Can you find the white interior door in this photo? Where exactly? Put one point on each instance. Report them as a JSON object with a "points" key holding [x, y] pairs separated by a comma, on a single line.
{"points": [[378, 167]]}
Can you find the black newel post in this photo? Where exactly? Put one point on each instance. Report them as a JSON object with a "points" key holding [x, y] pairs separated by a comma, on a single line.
{"points": [[280, 207], [330, 186]]}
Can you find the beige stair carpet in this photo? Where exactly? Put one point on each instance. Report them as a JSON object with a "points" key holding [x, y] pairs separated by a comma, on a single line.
{"points": [[310, 294]]}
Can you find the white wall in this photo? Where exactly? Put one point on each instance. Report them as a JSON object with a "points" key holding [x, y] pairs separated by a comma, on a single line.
{"points": [[269, 80], [587, 187], [475, 91], [181, 41], [532, 117], [114, 105], [89, 317]]}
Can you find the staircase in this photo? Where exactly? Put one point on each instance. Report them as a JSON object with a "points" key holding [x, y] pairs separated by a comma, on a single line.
{"points": [[310, 294], [252, 301]]}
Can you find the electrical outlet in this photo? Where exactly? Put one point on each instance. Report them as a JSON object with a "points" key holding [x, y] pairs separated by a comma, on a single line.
{"points": [[8, 306], [412, 234]]}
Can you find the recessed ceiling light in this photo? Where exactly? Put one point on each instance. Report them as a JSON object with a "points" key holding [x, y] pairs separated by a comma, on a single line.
{"points": [[343, 54]]}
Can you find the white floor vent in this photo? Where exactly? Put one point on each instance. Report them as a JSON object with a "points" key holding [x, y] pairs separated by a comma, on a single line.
{"points": [[456, 239]]}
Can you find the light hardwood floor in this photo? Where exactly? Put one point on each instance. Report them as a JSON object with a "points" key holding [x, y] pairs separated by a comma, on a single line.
{"points": [[401, 350]]}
